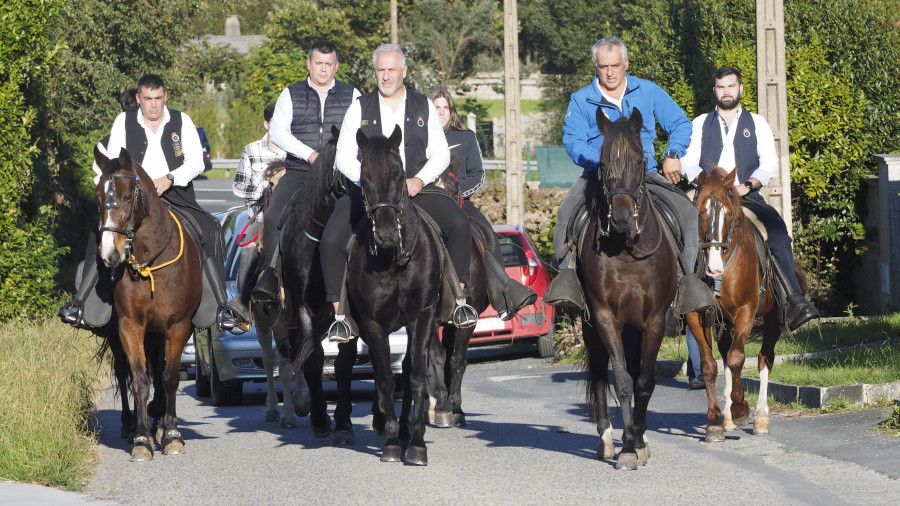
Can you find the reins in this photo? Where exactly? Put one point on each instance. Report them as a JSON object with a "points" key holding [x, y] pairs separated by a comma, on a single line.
{"points": [[145, 270]]}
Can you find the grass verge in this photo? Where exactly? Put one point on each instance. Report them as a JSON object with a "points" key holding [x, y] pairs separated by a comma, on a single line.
{"points": [[49, 382]]}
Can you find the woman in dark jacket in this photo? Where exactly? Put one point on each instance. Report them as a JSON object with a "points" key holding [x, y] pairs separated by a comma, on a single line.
{"points": [[507, 295]]}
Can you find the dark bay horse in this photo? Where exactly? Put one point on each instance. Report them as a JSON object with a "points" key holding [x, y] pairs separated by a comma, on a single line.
{"points": [[393, 280], [627, 268], [156, 290], [727, 242]]}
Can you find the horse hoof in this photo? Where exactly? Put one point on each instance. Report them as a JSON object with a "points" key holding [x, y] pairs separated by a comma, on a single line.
{"points": [[272, 416], [459, 420], [302, 401], [174, 448], [627, 461], [761, 425], [391, 453], [643, 455], [323, 430], [742, 421], [343, 437], [715, 433], [605, 451], [417, 456], [443, 420], [141, 453], [730, 426], [288, 422]]}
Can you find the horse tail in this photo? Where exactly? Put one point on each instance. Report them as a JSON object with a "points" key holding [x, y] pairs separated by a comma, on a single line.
{"points": [[801, 278]]}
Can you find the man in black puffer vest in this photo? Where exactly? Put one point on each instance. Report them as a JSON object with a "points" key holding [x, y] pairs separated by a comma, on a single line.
{"points": [[166, 144], [425, 155], [304, 114]]}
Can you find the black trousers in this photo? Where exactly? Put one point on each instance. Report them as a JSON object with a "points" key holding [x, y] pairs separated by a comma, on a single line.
{"points": [[475, 214], [349, 209], [287, 186]]}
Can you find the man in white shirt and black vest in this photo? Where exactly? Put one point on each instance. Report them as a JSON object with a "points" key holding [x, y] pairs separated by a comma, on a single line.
{"points": [[304, 114], [166, 144], [730, 137], [425, 155]]}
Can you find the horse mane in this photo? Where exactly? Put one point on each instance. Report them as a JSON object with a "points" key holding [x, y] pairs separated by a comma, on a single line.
{"points": [[377, 160], [627, 147]]}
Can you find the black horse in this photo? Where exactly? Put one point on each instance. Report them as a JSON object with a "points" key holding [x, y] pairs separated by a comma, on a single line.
{"points": [[394, 279], [628, 270]]}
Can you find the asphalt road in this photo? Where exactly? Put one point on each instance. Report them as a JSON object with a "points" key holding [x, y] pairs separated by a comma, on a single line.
{"points": [[529, 441], [215, 195]]}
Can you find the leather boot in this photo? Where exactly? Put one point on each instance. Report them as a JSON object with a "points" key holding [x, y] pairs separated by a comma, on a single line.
{"points": [[797, 310], [565, 291], [267, 287], [518, 296], [693, 295], [72, 312], [240, 302], [226, 318]]}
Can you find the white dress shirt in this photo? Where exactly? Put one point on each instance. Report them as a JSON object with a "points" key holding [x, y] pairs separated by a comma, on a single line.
{"points": [[765, 148], [437, 152], [154, 162], [280, 127]]}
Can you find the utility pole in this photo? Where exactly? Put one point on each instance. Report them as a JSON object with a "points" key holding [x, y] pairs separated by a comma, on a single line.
{"points": [[515, 213], [771, 79], [394, 36]]}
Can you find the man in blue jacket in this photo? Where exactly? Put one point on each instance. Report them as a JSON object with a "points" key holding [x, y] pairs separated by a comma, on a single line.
{"points": [[619, 94]]}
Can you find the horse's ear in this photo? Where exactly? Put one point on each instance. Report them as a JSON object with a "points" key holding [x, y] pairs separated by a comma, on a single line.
{"points": [[729, 179], [335, 132], [361, 140], [124, 159], [636, 121], [396, 137], [99, 158], [603, 123]]}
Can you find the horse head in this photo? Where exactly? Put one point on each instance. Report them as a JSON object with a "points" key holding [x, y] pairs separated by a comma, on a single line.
{"points": [[123, 205], [621, 173], [383, 188], [719, 209]]}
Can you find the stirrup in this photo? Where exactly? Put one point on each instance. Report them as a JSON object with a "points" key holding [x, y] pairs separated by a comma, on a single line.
{"points": [[464, 315], [516, 296], [339, 330], [72, 313], [227, 319], [565, 291]]}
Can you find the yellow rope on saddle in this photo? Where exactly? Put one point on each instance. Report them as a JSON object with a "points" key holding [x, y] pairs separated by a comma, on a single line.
{"points": [[147, 271]]}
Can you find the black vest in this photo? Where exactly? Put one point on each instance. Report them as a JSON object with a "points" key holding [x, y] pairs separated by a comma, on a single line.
{"points": [[136, 139], [415, 129], [746, 155], [306, 125]]}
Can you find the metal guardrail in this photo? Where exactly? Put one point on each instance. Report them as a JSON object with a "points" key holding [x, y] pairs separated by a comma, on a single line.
{"points": [[232, 163]]}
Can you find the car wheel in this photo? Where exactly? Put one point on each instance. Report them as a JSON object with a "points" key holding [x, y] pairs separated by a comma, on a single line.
{"points": [[223, 393], [547, 342]]}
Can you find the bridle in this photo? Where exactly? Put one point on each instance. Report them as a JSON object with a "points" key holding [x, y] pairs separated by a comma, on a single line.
{"points": [[400, 225], [713, 225], [607, 176], [110, 203]]}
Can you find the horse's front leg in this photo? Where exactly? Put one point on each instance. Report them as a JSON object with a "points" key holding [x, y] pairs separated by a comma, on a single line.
{"points": [[646, 381], [701, 328], [343, 371], [772, 330], [132, 337], [436, 379], [264, 336], [598, 371], [737, 411], [458, 350], [423, 335], [380, 353], [177, 336]]}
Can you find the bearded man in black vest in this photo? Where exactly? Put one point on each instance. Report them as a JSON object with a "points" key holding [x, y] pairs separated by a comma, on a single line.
{"points": [[730, 137], [166, 144], [425, 155], [301, 125]]}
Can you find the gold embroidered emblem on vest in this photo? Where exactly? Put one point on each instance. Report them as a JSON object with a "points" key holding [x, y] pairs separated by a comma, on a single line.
{"points": [[364, 122]]}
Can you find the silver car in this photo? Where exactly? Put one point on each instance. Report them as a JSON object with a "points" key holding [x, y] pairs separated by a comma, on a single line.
{"points": [[225, 360]]}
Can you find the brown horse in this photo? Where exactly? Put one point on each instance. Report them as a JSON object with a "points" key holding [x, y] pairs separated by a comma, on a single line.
{"points": [[627, 268], [747, 291], [155, 267]]}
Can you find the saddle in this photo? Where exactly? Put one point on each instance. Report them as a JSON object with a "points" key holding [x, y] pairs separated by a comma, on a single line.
{"points": [[206, 313]]}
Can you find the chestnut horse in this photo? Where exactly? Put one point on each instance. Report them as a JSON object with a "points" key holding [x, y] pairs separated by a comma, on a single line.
{"points": [[627, 268], [727, 240], [155, 268]]}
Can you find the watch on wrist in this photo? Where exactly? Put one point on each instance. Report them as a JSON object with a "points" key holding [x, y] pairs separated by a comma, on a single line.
{"points": [[749, 185], [672, 154], [171, 177]]}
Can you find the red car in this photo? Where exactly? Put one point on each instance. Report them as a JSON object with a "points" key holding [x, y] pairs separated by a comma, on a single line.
{"points": [[536, 321]]}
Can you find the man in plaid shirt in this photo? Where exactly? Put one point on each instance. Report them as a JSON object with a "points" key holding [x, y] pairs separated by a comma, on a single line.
{"points": [[249, 183]]}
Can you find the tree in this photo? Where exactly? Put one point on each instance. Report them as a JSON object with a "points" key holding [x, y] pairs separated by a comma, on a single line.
{"points": [[446, 38]]}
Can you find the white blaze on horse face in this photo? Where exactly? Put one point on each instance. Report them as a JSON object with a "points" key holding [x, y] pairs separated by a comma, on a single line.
{"points": [[107, 238], [715, 265]]}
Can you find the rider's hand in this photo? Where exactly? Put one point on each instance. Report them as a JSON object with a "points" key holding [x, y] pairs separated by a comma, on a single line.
{"points": [[671, 169], [414, 185], [162, 184], [312, 157]]}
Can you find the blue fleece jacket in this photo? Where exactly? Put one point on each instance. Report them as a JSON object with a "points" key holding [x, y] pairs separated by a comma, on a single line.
{"points": [[582, 137]]}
